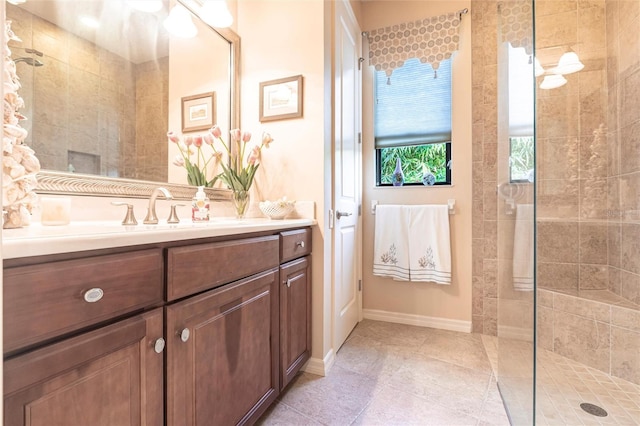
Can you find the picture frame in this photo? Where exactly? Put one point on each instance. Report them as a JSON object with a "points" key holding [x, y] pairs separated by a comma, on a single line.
{"points": [[198, 112], [281, 99]]}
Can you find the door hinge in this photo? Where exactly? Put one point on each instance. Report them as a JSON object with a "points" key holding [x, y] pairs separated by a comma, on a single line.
{"points": [[359, 137], [359, 285], [359, 209], [331, 219]]}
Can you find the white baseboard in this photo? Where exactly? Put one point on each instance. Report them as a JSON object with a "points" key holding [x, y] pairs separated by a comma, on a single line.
{"points": [[419, 320], [320, 367]]}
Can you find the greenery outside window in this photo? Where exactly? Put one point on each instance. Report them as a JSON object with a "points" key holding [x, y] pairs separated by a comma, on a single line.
{"points": [[416, 160], [521, 159], [413, 122]]}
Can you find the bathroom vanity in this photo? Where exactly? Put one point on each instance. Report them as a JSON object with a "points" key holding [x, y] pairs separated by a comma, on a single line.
{"points": [[190, 325]]}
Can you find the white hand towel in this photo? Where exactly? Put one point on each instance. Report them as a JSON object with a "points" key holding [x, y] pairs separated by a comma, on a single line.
{"points": [[523, 248], [390, 252], [429, 244]]}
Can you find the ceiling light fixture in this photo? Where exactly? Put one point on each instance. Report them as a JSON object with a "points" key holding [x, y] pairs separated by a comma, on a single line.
{"points": [[179, 23], [16, 2], [216, 13], [149, 6], [553, 81], [569, 63]]}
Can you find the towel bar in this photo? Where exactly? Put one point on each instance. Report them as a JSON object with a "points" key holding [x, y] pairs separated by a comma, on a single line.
{"points": [[451, 204]]}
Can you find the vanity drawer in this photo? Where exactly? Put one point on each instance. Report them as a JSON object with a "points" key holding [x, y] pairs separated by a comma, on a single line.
{"points": [[51, 299], [295, 244], [196, 268]]}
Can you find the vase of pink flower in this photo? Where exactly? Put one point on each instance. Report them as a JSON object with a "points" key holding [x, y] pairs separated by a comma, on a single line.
{"points": [[237, 175]]}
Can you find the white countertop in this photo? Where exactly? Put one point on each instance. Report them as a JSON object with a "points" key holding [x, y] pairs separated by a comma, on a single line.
{"points": [[37, 240]]}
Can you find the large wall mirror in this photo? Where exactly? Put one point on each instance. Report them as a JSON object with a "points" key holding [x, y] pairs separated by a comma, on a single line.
{"points": [[103, 82]]}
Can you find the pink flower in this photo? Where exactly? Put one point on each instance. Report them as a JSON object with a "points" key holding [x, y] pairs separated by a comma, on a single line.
{"points": [[246, 137], [216, 132], [188, 140], [236, 134], [266, 139], [197, 141], [254, 155], [173, 137], [208, 139], [178, 161]]}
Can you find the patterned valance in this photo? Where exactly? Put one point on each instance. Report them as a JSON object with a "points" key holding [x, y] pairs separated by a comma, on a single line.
{"points": [[516, 24], [431, 40]]}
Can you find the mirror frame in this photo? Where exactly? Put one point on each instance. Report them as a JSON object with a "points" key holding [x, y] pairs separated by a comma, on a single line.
{"points": [[53, 182]]}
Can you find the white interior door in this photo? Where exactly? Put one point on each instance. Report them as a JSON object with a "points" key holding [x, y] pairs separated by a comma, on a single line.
{"points": [[347, 186]]}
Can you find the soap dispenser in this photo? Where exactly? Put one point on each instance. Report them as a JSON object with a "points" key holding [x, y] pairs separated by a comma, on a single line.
{"points": [[200, 206]]}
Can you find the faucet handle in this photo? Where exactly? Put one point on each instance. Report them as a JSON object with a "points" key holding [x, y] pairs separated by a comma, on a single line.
{"points": [[173, 217], [129, 219]]}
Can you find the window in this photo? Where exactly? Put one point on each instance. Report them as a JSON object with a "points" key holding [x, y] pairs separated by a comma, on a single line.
{"points": [[413, 122], [521, 159]]}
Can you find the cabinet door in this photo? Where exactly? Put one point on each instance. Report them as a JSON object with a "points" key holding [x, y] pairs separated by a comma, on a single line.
{"points": [[222, 353], [295, 317], [110, 376]]}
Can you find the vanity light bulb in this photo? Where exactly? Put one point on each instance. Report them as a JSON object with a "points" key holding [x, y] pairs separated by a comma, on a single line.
{"points": [[16, 2], [569, 63], [149, 6], [553, 81], [179, 23], [216, 13]]}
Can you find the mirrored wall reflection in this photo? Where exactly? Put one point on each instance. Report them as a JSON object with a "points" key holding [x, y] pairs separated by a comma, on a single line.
{"points": [[95, 79]]}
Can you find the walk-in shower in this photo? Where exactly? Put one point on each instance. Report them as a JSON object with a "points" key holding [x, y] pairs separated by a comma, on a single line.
{"points": [[558, 87]]}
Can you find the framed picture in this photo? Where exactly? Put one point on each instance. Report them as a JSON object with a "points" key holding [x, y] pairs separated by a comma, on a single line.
{"points": [[198, 112], [280, 99]]}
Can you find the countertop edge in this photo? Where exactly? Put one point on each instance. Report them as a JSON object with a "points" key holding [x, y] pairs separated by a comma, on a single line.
{"points": [[21, 246]]}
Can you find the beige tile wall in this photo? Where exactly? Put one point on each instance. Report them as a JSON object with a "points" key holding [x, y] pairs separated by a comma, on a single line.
{"points": [[588, 226], [623, 178], [485, 152]]}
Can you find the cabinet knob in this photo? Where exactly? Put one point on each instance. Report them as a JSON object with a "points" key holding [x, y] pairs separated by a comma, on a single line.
{"points": [[300, 244], [93, 295], [159, 345], [289, 283], [184, 334]]}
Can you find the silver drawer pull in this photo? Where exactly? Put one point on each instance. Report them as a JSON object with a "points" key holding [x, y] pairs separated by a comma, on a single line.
{"points": [[184, 334], [300, 244], [93, 295], [159, 345], [289, 283]]}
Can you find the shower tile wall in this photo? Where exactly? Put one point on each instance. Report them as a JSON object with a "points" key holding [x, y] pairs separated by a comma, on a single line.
{"points": [[485, 152], [589, 185], [61, 96], [151, 122]]}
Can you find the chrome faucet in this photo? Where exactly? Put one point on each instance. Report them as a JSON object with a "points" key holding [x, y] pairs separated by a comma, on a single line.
{"points": [[152, 218]]}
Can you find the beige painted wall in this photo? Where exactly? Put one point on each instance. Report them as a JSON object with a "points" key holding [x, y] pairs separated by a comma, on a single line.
{"points": [[423, 299], [193, 68], [283, 39]]}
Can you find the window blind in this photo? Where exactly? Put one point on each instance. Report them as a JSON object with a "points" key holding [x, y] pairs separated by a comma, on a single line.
{"points": [[414, 108]]}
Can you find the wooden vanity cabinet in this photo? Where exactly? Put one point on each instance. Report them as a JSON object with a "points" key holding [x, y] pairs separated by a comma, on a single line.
{"points": [[109, 376], [235, 314], [222, 353], [295, 303]]}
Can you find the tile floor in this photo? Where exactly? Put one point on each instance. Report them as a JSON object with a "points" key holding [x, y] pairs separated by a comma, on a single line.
{"points": [[394, 374]]}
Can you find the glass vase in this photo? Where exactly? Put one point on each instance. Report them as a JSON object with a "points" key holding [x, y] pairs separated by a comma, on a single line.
{"points": [[241, 200]]}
